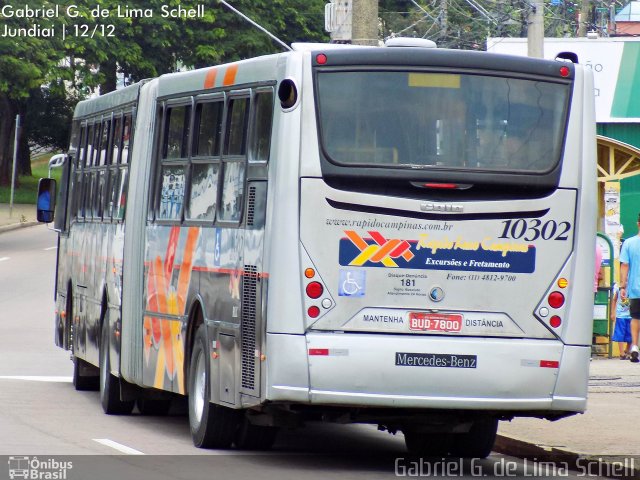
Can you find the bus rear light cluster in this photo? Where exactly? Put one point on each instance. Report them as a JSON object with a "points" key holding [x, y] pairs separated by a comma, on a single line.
{"points": [[315, 291], [555, 321], [555, 299]]}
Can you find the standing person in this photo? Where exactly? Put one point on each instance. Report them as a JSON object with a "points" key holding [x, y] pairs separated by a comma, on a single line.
{"points": [[630, 286], [598, 271], [622, 331]]}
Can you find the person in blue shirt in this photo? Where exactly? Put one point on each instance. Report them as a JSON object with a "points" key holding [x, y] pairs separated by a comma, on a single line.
{"points": [[621, 315], [630, 286]]}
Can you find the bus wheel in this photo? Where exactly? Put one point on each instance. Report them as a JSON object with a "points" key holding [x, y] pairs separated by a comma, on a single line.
{"points": [[153, 407], [428, 444], [478, 441], [212, 426], [110, 384], [254, 437], [84, 378]]}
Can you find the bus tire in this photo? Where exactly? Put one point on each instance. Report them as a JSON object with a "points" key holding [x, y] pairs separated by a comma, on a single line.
{"points": [[110, 384], [212, 426], [478, 441], [430, 444], [153, 407], [81, 380], [254, 437]]}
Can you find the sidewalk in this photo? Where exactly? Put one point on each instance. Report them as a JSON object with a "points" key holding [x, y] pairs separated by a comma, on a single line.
{"points": [[605, 432], [19, 216]]}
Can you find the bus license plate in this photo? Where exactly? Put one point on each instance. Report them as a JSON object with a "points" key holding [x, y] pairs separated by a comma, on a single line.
{"points": [[435, 322]]}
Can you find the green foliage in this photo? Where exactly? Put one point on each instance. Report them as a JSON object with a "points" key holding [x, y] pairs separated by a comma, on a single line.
{"points": [[27, 191]]}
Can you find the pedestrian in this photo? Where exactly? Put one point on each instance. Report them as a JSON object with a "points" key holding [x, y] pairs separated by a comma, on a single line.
{"points": [[630, 286], [619, 312], [598, 270]]}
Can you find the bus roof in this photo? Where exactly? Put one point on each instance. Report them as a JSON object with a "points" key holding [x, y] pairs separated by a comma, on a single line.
{"points": [[93, 106], [237, 73]]}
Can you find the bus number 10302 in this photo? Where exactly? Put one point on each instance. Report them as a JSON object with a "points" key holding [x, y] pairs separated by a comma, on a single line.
{"points": [[534, 229]]}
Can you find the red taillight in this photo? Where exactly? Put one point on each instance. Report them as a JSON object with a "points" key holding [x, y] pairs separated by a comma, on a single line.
{"points": [[321, 58], [313, 311], [319, 351], [549, 364], [556, 299], [564, 71], [444, 186], [314, 290], [555, 321]]}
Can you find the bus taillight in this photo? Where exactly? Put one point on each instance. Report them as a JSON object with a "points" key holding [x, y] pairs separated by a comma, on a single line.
{"points": [[555, 321], [555, 299], [314, 290], [313, 311]]}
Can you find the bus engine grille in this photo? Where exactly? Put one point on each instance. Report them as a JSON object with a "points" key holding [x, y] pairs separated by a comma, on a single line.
{"points": [[248, 326]]}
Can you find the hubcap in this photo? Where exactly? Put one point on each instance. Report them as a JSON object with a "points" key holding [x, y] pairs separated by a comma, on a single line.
{"points": [[199, 385]]}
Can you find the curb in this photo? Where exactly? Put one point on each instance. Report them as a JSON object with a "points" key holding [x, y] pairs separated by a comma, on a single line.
{"points": [[622, 467], [15, 226]]}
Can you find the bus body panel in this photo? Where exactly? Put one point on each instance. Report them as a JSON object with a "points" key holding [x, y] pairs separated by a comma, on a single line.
{"points": [[284, 300], [443, 374], [131, 361], [490, 285]]}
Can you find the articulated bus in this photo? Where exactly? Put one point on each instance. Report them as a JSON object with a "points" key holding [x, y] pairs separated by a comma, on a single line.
{"points": [[394, 235]]}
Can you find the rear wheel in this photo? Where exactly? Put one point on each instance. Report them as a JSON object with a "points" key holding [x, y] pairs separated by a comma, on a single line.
{"points": [[478, 441], [254, 437], [84, 377], [428, 444], [212, 426], [153, 407], [110, 384]]}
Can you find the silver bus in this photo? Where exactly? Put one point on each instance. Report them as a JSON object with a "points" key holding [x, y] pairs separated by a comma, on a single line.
{"points": [[396, 235]]}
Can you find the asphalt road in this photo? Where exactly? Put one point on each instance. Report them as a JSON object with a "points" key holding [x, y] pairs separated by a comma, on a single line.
{"points": [[63, 434]]}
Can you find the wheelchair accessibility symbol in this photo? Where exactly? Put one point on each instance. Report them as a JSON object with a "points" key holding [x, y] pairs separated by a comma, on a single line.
{"points": [[352, 283]]}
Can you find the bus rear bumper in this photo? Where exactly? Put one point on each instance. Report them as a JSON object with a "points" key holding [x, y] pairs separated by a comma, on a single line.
{"points": [[373, 370]]}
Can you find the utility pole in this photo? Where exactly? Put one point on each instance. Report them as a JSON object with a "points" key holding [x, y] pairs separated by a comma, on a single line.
{"points": [[583, 18], [535, 30], [364, 22], [444, 18]]}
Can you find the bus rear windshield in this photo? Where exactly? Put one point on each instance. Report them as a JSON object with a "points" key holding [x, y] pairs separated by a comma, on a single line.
{"points": [[431, 120]]}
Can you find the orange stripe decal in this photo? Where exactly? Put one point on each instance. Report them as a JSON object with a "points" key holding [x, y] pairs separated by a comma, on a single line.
{"points": [[184, 277], [210, 78], [355, 238], [230, 75]]}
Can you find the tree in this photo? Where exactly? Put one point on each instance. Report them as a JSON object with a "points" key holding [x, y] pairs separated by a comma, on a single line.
{"points": [[25, 63], [98, 47]]}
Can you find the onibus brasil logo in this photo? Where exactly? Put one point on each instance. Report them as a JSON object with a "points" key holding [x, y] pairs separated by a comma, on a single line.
{"points": [[38, 469]]}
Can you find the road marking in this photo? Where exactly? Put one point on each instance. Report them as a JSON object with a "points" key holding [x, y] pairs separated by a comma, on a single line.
{"points": [[118, 446], [36, 378], [2, 259], [50, 248]]}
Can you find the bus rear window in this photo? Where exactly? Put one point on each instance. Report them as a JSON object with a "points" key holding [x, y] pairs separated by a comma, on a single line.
{"points": [[441, 120]]}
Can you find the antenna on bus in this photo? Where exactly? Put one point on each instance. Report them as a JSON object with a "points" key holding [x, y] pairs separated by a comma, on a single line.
{"points": [[255, 24]]}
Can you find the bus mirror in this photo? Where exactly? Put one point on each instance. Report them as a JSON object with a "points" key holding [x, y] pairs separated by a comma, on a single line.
{"points": [[287, 93], [46, 200]]}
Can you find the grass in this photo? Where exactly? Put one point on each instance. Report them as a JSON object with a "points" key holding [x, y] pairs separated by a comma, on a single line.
{"points": [[27, 190]]}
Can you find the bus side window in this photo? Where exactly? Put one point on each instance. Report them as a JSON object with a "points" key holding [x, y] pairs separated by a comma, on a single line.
{"points": [[126, 140], [172, 173], [263, 120], [90, 143], [104, 143], [205, 167], [235, 148]]}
